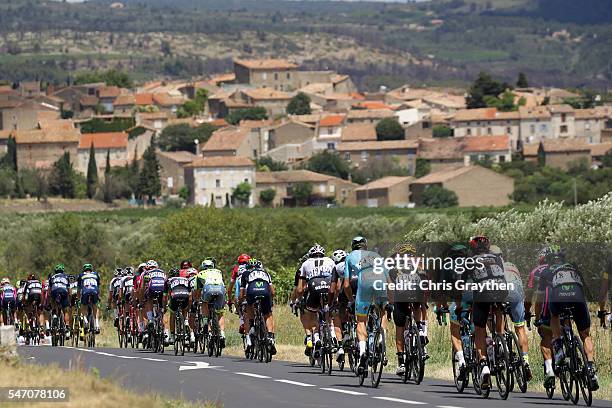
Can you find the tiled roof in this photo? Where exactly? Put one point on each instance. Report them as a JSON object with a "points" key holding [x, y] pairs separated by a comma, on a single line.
{"points": [[124, 100], [108, 140], [265, 63], [556, 146], [441, 148], [371, 105], [227, 77], [152, 115], [52, 135], [266, 93], [487, 143], [358, 132], [226, 139], [561, 108], [378, 145], [331, 120], [165, 99], [443, 175], [109, 92], [466, 115], [291, 176], [370, 113], [539, 112], [179, 157], [384, 182], [589, 114], [89, 100], [144, 99], [256, 124], [600, 149], [221, 161]]}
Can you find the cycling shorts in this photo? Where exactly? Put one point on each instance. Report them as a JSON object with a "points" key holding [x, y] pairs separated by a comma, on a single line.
{"points": [[8, 302], [153, 292], [480, 312], [342, 299], [59, 297], [366, 296], [34, 298], [576, 301], [517, 313], [317, 287], [180, 300], [90, 297], [216, 291], [260, 289], [401, 311]]}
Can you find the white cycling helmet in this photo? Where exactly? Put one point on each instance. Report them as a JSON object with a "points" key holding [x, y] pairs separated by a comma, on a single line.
{"points": [[316, 250], [5, 281], [339, 255], [192, 272], [118, 272], [151, 264]]}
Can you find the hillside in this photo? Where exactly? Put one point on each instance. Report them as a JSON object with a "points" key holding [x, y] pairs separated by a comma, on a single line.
{"points": [[555, 42]]}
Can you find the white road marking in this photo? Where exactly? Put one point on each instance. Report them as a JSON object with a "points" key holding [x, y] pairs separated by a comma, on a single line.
{"points": [[87, 350], [301, 384], [152, 359], [198, 365], [403, 401], [102, 353], [447, 406], [127, 357], [252, 375], [344, 391]]}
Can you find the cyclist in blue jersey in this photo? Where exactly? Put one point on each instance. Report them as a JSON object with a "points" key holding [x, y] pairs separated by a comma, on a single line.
{"points": [[371, 288], [89, 294]]}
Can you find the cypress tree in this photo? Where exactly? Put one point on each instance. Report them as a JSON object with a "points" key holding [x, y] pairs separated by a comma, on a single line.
{"points": [[150, 181], [92, 172]]}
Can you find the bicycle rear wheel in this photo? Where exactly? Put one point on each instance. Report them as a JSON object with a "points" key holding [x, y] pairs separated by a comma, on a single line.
{"points": [[502, 367], [517, 362], [580, 371], [460, 385], [380, 350], [419, 360]]}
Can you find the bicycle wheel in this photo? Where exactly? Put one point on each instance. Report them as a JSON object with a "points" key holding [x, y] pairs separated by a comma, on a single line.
{"points": [[573, 389], [419, 360], [564, 381], [475, 367], [580, 371], [518, 364], [378, 361], [502, 367], [408, 358], [460, 385], [550, 389]]}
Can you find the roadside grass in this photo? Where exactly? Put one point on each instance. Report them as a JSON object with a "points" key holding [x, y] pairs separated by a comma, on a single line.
{"points": [[85, 389]]}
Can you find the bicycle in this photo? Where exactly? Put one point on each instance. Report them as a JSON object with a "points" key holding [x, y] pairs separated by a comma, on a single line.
{"points": [[157, 332], [572, 371], [499, 359], [248, 352], [414, 350], [75, 326], [518, 371], [200, 330], [326, 352], [58, 325], [33, 327], [214, 330], [120, 323], [181, 333], [260, 344], [376, 350], [466, 330], [351, 342], [90, 339]]}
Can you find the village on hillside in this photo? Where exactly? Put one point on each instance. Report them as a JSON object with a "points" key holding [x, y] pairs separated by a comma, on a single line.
{"points": [[271, 111]]}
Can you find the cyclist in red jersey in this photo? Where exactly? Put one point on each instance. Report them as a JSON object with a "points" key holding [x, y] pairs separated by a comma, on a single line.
{"points": [[184, 269], [234, 286]]}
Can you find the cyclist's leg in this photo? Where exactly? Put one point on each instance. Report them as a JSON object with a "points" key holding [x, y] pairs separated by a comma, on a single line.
{"points": [[480, 317], [399, 318], [517, 313]]}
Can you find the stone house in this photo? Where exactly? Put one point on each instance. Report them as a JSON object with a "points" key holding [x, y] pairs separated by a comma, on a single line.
{"points": [[391, 191]]}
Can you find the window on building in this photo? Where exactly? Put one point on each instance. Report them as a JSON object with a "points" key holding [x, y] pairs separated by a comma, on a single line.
{"points": [[587, 125], [509, 130], [347, 156], [331, 146], [264, 76], [289, 190], [246, 180], [330, 131], [469, 132], [563, 128], [502, 158], [218, 183], [332, 188], [563, 117], [288, 75], [276, 76], [532, 129], [489, 131], [364, 156], [254, 152]]}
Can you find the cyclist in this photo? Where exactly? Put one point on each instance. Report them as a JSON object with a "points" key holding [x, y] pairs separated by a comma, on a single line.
{"points": [[192, 275], [177, 288], [73, 297], [234, 287], [113, 293], [210, 284], [360, 262], [153, 285], [516, 303], [342, 317], [33, 296], [8, 298], [58, 293], [89, 294], [21, 309], [410, 301], [256, 282], [138, 300], [315, 273], [184, 268], [491, 270], [567, 290]]}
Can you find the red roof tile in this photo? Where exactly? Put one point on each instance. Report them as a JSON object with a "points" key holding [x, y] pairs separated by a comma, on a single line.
{"points": [[110, 140]]}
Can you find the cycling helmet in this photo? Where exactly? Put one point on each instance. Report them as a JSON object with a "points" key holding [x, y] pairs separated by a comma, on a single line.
{"points": [[71, 278], [174, 272], [212, 259], [339, 255], [59, 268], [543, 253], [359, 242], [243, 258], [118, 272], [186, 264], [87, 267], [406, 248], [458, 250], [207, 264], [152, 264], [316, 251], [32, 277], [5, 281], [141, 267], [192, 272], [128, 271], [254, 263], [480, 244], [557, 254]]}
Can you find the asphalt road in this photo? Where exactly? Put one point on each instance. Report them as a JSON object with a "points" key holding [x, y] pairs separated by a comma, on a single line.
{"points": [[236, 382]]}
